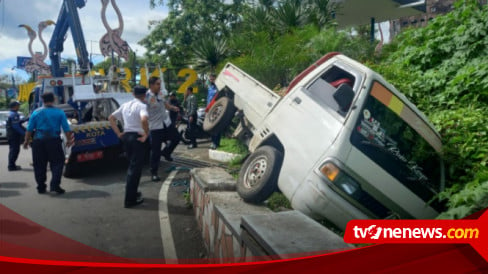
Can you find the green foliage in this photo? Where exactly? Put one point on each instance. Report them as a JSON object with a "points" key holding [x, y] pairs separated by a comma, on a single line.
{"points": [[187, 23], [270, 60], [208, 52], [278, 201], [442, 68], [472, 198], [276, 61], [233, 146]]}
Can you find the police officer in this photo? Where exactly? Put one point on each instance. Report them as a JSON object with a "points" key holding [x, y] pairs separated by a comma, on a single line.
{"points": [[15, 134], [160, 126], [191, 111], [211, 92], [174, 102], [136, 131], [47, 122]]}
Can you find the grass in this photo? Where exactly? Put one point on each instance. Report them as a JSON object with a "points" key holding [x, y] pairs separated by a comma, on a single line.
{"points": [[187, 197], [232, 146], [278, 201]]}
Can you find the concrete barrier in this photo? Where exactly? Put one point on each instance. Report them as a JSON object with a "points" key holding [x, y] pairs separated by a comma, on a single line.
{"points": [[221, 156], [235, 231]]}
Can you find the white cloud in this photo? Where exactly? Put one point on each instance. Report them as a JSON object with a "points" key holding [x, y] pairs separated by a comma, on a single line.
{"points": [[14, 40]]}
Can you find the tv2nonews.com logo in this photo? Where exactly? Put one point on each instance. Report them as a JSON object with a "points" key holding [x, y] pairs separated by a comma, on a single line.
{"points": [[417, 231], [473, 232], [374, 232]]}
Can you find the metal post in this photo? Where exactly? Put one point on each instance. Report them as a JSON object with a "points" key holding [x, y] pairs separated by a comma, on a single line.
{"points": [[134, 68]]}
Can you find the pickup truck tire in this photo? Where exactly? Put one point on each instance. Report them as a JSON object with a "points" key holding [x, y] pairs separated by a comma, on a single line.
{"points": [[219, 116], [258, 178]]}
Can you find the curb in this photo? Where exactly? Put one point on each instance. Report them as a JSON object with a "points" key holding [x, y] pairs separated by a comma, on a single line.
{"points": [[221, 156]]}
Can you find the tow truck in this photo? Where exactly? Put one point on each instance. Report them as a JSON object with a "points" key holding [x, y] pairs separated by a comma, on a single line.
{"points": [[87, 100]]}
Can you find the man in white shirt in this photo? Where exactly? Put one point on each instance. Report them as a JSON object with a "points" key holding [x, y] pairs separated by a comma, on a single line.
{"points": [[136, 131], [160, 126]]}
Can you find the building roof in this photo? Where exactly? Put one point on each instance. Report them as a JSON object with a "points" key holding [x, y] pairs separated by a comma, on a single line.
{"points": [[359, 12]]}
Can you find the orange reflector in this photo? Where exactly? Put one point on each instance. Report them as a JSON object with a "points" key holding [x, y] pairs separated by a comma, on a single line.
{"points": [[330, 171], [52, 82]]}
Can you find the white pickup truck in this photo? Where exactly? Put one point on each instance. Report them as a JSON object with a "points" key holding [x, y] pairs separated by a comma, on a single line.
{"points": [[341, 144]]}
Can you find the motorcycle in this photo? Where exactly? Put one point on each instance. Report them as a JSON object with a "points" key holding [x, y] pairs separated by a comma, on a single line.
{"points": [[198, 131]]}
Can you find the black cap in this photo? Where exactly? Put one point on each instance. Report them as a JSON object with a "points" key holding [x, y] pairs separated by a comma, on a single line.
{"points": [[172, 93], [13, 104], [140, 90]]}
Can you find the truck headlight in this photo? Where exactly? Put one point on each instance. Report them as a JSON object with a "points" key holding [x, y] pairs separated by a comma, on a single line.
{"points": [[339, 178], [352, 191]]}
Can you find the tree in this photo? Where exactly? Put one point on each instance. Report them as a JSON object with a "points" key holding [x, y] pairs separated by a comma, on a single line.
{"points": [[209, 52], [172, 41]]}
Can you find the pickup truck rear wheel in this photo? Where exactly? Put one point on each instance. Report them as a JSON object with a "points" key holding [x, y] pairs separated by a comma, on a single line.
{"points": [[219, 116], [258, 178]]}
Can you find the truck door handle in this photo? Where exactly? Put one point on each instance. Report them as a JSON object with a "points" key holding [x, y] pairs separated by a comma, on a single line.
{"points": [[297, 100]]}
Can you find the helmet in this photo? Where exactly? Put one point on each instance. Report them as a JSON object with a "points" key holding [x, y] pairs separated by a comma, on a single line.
{"points": [[14, 104]]}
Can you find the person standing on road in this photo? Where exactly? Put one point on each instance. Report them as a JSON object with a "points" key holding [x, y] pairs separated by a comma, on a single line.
{"points": [[15, 133], [160, 126], [173, 115], [211, 92], [136, 131], [191, 112], [47, 123]]}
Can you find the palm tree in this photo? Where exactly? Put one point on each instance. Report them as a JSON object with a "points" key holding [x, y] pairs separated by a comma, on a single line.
{"points": [[288, 15], [209, 52], [320, 12]]}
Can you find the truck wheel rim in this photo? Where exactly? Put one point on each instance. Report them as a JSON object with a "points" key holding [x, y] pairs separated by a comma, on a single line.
{"points": [[216, 112], [255, 172]]}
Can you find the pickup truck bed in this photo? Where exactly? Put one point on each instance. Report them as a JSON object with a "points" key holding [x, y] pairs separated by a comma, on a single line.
{"points": [[258, 104]]}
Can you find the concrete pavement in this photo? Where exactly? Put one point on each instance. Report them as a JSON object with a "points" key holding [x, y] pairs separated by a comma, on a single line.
{"points": [[92, 212]]}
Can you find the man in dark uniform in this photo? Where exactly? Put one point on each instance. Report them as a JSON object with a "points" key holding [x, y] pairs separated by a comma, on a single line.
{"points": [[211, 92], [15, 134], [136, 131], [172, 113], [47, 122], [191, 111]]}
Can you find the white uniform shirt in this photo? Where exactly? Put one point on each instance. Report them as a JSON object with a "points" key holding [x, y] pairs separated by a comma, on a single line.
{"points": [[131, 114], [157, 111]]}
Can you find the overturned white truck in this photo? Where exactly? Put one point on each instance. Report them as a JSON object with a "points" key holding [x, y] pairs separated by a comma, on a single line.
{"points": [[342, 143]]}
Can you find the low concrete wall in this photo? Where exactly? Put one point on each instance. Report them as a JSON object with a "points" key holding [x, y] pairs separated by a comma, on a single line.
{"points": [[235, 231], [221, 156]]}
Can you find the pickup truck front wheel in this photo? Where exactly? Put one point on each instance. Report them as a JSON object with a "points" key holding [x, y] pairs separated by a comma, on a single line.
{"points": [[219, 116], [258, 178]]}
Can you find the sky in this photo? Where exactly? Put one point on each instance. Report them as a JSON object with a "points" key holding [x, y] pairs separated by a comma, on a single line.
{"points": [[14, 40]]}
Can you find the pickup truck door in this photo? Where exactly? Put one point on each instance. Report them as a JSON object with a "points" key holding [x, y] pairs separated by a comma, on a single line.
{"points": [[307, 127], [308, 121]]}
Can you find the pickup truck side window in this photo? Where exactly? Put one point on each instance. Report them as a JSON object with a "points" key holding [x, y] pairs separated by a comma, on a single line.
{"points": [[323, 88], [393, 136]]}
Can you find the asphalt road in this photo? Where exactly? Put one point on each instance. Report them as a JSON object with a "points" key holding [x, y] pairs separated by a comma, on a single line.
{"points": [[91, 211]]}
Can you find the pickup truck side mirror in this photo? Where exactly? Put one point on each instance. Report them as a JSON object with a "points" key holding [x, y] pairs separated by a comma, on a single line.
{"points": [[343, 96]]}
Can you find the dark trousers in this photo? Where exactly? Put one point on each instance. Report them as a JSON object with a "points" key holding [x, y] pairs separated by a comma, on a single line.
{"points": [[192, 130], [14, 150], [136, 152], [216, 139], [44, 151], [158, 136]]}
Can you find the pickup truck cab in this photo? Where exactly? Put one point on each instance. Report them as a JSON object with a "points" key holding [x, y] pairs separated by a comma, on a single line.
{"points": [[342, 143]]}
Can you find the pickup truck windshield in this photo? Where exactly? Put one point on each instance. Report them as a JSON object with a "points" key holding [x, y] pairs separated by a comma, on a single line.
{"points": [[399, 141]]}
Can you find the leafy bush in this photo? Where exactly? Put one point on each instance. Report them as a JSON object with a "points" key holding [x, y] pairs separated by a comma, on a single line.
{"points": [[442, 68]]}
